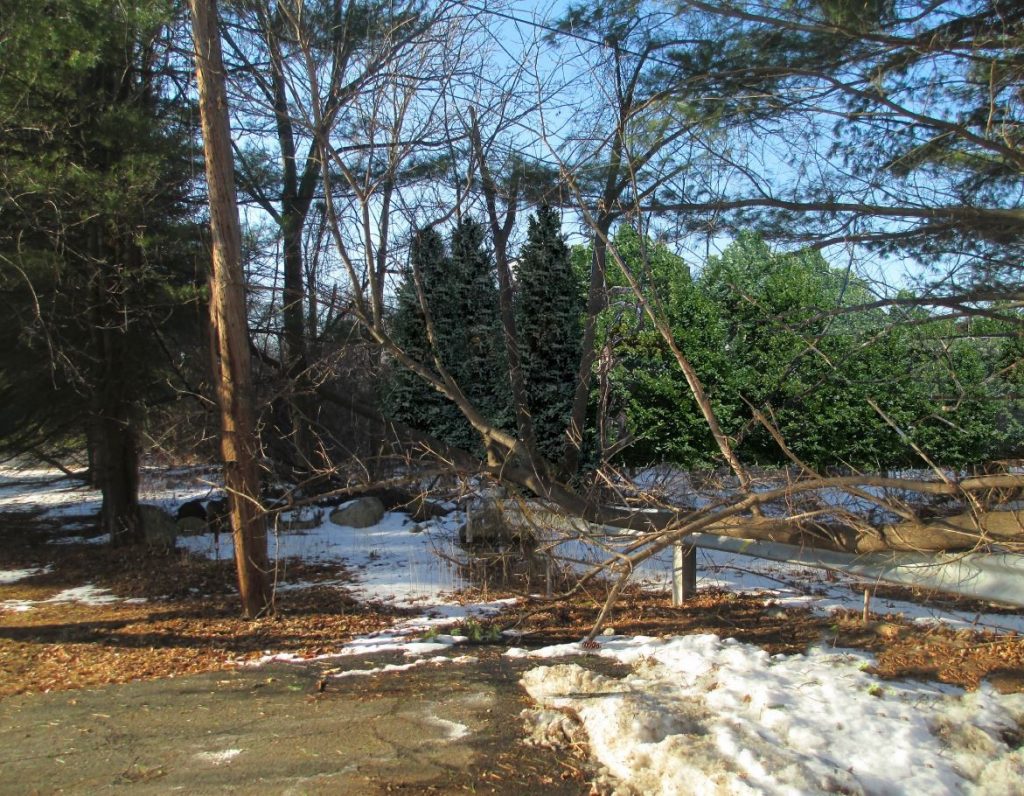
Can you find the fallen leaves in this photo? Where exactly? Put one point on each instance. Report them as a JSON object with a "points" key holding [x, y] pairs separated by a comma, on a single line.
{"points": [[188, 623]]}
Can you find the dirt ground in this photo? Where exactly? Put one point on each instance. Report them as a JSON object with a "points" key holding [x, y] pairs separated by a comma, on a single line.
{"points": [[445, 729], [149, 693], [189, 621]]}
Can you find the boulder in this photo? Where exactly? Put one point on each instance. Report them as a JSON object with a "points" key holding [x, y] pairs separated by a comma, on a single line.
{"points": [[158, 526], [193, 509], [498, 520], [191, 526], [485, 524], [360, 513], [192, 517], [416, 505], [303, 519]]}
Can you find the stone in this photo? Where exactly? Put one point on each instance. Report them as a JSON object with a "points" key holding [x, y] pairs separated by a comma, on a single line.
{"points": [[192, 509], [303, 519], [360, 513], [485, 525], [159, 528], [191, 526]]}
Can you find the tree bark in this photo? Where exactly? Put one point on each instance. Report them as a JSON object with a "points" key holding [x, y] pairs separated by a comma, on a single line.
{"points": [[228, 319], [112, 437], [115, 461]]}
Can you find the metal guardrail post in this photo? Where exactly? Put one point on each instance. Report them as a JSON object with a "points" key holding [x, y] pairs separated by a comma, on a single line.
{"points": [[684, 572]]}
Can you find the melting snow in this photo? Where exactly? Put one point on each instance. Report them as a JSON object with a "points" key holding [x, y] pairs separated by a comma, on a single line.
{"points": [[8, 576], [218, 758], [701, 715]]}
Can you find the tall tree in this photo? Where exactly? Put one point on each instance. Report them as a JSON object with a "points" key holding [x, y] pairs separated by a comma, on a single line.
{"points": [[897, 126], [549, 316], [409, 399], [447, 315], [228, 319], [477, 356], [94, 184], [309, 74]]}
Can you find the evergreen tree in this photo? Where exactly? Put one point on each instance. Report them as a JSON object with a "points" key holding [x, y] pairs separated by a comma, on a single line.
{"points": [[94, 233], [462, 299], [476, 343], [646, 386], [549, 308], [409, 400]]}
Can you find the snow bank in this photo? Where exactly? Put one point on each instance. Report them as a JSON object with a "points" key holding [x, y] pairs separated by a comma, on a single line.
{"points": [[700, 715]]}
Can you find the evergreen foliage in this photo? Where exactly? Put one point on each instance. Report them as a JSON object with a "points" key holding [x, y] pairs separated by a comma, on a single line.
{"points": [[410, 400], [462, 300], [95, 233], [549, 306], [759, 327]]}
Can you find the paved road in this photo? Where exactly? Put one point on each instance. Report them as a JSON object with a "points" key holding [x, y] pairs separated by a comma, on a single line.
{"points": [[435, 729]]}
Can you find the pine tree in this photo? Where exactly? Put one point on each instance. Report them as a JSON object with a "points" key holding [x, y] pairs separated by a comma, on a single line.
{"points": [[94, 233], [409, 399], [477, 358], [463, 302], [549, 307]]}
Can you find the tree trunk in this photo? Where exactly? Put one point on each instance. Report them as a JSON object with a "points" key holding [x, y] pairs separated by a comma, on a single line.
{"points": [[115, 461], [112, 437], [228, 319]]}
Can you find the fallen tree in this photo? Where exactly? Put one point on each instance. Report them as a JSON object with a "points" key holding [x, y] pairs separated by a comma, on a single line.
{"points": [[556, 503]]}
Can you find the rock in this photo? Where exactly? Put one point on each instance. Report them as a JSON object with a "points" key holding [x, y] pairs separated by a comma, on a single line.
{"points": [[192, 517], [303, 519], [193, 509], [485, 525], [493, 519], [414, 504], [158, 526], [360, 513], [191, 526]]}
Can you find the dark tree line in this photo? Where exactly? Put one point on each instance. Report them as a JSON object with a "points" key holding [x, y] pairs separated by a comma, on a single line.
{"points": [[99, 243], [448, 313]]}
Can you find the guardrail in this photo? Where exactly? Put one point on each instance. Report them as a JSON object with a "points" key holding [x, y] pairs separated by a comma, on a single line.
{"points": [[996, 577]]}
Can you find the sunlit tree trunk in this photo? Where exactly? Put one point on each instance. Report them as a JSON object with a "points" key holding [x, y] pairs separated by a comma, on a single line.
{"points": [[228, 319]]}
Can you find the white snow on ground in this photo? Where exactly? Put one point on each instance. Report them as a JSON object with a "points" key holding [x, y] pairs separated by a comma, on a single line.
{"points": [[219, 757], [790, 586], [88, 594], [437, 660], [8, 576], [699, 715], [396, 560], [47, 490], [696, 714]]}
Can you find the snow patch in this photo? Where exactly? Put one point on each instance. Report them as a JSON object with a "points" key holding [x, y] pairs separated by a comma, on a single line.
{"points": [[699, 714], [9, 576], [453, 729], [218, 758]]}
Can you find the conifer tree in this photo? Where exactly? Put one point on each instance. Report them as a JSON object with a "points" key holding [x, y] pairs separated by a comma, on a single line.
{"points": [[462, 299], [410, 400], [477, 358], [94, 233], [549, 308]]}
